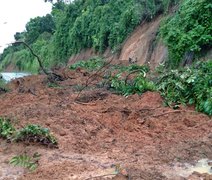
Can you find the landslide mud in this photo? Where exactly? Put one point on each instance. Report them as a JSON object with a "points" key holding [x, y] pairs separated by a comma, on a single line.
{"points": [[103, 135]]}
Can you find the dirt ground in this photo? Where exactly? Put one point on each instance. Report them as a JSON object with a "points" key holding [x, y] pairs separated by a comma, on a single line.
{"points": [[102, 135]]}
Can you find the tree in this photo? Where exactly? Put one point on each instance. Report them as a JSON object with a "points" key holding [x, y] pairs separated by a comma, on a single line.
{"points": [[19, 36], [37, 26]]}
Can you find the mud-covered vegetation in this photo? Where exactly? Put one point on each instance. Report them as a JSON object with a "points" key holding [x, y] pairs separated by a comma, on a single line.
{"points": [[186, 86], [29, 134], [190, 85]]}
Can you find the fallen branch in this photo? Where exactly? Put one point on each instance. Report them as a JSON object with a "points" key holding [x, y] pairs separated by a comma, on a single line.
{"points": [[95, 74], [133, 72], [51, 75], [38, 58], [175, 111], [89, 103], [105, 175]]}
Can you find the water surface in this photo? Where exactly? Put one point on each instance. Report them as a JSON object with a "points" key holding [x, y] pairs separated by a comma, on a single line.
{"points": [[8, 76]]}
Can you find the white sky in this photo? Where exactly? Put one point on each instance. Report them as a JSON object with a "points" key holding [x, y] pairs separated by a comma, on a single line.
{"points": [[14, 14]]}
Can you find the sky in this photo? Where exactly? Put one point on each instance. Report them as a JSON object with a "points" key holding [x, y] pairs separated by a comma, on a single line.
{"points": [[14, 14]]}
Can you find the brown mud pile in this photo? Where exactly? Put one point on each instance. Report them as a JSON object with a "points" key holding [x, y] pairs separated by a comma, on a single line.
{"points": [[103, 135]]}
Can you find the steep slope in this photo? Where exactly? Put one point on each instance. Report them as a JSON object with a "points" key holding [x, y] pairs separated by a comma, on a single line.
{"points": [[141, 45]]}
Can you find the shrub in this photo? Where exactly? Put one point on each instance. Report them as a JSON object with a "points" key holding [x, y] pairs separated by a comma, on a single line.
{"points": [[30, 133], [190, 85], [137, 84], [6, 128], [37, 134], [26, 161], [90, 64]]}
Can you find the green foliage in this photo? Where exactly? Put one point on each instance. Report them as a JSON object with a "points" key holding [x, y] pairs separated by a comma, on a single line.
{"points": [[188, 86], [124, 84], [36, 133], [100, 24], [53, 85], [80, 24], [37, 26], [122, 79], [26, 161], [30, 133], [6, 128], [91, 64], [3, 86], [38, 35], [193, 33]]}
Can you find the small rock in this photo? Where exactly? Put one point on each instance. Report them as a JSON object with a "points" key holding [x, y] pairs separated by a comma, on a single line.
{"points": [[210, 163], [62, 133]]}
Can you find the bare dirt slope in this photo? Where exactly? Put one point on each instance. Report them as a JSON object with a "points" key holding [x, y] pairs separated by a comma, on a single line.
{"points": [[102, 135]]}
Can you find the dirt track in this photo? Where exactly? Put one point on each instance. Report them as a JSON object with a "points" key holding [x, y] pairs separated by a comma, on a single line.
{"points": [[104, 132]]}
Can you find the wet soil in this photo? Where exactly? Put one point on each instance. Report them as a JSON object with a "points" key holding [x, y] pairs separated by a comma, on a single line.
{"points": [[102, 135]]}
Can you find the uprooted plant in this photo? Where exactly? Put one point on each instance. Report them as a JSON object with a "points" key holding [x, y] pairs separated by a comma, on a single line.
{"points": [[26, 161], [6, 129], [36, 134], [190, 85], [52, 76], [120, 79], [30, 134], [130, 80]]}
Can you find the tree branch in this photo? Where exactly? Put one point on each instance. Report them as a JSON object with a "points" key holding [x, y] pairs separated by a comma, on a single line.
{"points": [[38, 58]]}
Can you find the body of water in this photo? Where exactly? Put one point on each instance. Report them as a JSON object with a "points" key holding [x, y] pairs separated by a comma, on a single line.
{"points": [[8, 76]]}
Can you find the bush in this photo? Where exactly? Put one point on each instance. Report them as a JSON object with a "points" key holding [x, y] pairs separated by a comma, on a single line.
{"points": [[130, 79], [90, 64], [37, 134], [191, 85], [6, 128], [30, 133]]}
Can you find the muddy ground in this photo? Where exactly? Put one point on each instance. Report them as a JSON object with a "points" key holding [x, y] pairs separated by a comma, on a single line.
{"points": [[102, 135]]}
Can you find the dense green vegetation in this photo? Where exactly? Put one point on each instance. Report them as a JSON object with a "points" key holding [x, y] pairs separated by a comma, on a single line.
{"points": [[69, 28], [188, 32], [190, 85]]}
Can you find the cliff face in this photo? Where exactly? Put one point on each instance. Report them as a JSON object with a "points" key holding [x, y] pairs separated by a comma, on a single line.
{"points": [[141, 46]]}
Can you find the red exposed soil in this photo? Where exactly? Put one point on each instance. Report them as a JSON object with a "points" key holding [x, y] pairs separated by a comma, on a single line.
{"points": [[102, 132]]}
